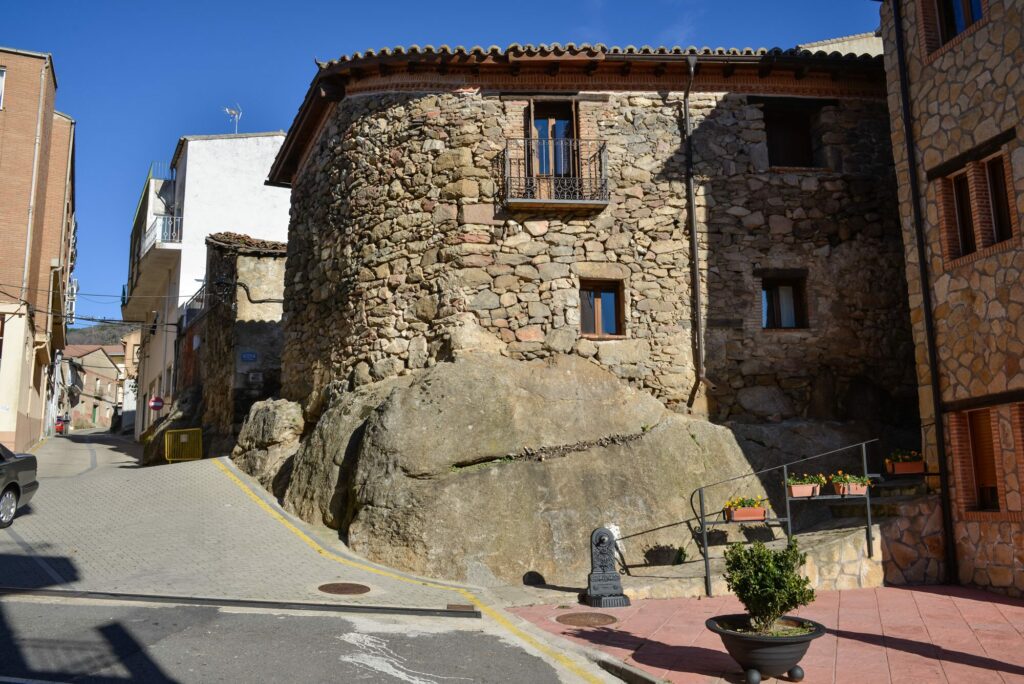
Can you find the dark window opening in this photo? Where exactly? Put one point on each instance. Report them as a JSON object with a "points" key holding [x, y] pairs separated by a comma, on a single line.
{"points": [[955, 16], [1002, 228], [983, 456], [792, 129], [601, 308], [783, 303], [964, 218]]}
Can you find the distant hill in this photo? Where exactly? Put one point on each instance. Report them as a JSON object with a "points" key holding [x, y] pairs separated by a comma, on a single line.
{"points": [[101, 333]]}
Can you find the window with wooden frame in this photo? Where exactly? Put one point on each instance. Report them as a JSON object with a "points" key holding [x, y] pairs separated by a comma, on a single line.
{"points": [[783, 302], [602, 308], [953, 17], [977, 205], [552, 129], [983, 460]]}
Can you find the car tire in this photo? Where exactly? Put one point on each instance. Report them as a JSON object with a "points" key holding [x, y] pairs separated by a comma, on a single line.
{"points": [[8, 507]]}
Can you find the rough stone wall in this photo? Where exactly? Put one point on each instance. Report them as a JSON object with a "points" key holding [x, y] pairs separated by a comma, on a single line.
{"points": [[963, 94], [397, 229], [231, 328], [912, 543]]}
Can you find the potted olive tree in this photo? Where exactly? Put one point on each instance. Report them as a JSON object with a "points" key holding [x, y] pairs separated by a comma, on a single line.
{"points": [[766, 642]]}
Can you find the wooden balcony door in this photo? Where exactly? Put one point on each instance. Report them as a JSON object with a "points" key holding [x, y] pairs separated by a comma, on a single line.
{"points": [[553, 153]]}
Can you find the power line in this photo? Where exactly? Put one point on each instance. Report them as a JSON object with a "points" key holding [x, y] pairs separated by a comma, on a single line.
{"points": [[97, 294]]}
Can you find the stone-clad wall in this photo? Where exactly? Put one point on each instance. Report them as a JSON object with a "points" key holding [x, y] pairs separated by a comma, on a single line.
{"points": [[962, 95], [395, 238]]}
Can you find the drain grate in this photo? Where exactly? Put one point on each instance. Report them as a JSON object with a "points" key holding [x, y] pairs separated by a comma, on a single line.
{"points": [[586, 619], [344, 588]]}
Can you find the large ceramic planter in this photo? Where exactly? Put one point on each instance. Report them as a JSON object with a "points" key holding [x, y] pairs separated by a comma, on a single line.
{"points": [[803, 491], [850, 489], [766, 656], [905, 467], [746, 514]]}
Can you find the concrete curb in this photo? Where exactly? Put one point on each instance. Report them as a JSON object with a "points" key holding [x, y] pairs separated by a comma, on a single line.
{"points": [[627, 673]]}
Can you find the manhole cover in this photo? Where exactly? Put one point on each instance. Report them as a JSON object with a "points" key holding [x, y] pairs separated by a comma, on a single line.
{"points": [[586, 619], [344, 588]]}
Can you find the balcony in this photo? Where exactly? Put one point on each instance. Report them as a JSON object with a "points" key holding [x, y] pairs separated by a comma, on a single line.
{"points": [[154, 252], [162, 229], [563, 173]]}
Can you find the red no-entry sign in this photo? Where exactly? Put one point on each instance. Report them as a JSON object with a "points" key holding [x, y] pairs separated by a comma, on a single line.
{"points": [[156, 403]]}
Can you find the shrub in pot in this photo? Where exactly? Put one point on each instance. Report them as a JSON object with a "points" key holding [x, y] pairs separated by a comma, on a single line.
{"points": [[766, 642]]}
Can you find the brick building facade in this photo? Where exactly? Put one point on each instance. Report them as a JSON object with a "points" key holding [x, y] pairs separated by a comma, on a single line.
{"points": [[539, 194], [955, 94], [37, 222]]}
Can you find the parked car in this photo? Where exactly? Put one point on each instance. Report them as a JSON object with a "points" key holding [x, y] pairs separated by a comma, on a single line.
{"points": [[58, 427], [17, 483]]}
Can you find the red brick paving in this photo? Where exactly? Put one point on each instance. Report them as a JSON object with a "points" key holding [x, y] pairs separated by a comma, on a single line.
{"points": [[916, 635]]}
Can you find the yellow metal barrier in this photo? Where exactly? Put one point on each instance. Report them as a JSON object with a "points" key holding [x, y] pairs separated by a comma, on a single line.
{"points": [[183, 445]]}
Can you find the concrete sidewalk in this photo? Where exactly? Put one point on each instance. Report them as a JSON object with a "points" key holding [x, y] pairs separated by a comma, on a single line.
{"points": [[899, 635]]}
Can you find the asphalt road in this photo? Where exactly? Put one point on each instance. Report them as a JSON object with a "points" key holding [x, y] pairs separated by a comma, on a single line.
{"points": [[87, 641], [101, 524]]}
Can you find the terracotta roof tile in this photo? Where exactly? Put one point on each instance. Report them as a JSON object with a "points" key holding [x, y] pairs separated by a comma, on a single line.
{"points": [[595, 50], [246, 243]]}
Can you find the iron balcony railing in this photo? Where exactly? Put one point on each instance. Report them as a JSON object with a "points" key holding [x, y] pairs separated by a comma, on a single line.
{"points": [[556, 170], [195, 306], [162, 229]]}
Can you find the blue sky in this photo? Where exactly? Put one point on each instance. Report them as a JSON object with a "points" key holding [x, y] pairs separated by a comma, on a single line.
{"points": [[137, 75]]}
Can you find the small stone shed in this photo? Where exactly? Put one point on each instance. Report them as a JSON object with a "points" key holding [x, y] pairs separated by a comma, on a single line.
{"points": [[540, 193], [231, 337]]}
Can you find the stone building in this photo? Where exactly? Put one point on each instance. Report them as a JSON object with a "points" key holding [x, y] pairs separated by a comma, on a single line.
{"points": [[955, 98], [231, 340], [539, 194]]}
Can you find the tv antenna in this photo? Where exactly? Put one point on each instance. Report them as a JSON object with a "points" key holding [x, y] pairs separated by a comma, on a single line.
{"points": [[234, 114]]}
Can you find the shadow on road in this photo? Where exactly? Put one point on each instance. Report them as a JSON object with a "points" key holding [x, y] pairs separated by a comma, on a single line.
{"points": [[65, 659]]}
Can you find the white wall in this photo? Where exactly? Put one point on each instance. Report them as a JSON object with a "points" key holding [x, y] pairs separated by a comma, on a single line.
{"points": [[221, 188]]}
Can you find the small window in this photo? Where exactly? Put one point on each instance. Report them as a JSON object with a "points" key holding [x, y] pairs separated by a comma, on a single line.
{"points": [[955, 16], [964, 218], [1002, 227], [601, 308], [979, 425], [783, 303], [3, 77], [791, 128]]}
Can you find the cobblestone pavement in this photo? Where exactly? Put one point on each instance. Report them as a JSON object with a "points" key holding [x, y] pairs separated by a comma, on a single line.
{"points": [[100, 523]]}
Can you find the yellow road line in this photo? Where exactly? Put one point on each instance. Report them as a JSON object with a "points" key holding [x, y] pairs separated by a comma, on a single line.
{"points": [[490, 612], [32, 449]]}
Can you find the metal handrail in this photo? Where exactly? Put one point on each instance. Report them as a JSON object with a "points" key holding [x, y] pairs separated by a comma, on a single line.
{"points": [[788, 519]]}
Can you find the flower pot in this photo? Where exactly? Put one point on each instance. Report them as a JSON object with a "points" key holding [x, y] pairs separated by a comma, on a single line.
{"points": [[746, 514], [801, 491], [905, 467], [850, 489], [765, 656]]}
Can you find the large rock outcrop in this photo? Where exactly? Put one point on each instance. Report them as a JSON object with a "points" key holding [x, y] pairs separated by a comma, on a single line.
{"points": [[486, 469]]}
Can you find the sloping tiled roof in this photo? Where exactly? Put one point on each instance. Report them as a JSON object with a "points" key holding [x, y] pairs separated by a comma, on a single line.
{"points": [[351, 66], [246, 244], [571, 50]]}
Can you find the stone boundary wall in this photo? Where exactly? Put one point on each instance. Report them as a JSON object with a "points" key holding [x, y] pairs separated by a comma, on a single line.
{"points": [[397, 232]]}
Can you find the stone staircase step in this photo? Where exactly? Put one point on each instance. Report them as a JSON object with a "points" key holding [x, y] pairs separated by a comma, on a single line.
{"points": [[881, 507], [836, 559]]}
